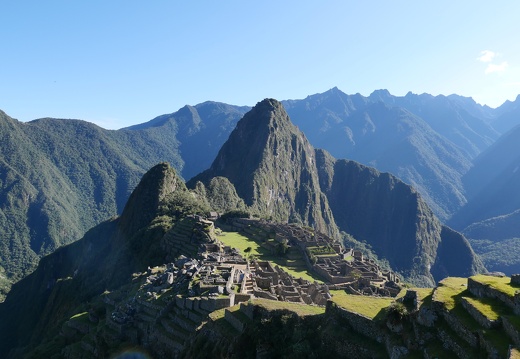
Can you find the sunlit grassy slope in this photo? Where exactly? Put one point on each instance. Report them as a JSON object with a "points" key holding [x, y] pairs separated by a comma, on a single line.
{"points": [[292, 263]]}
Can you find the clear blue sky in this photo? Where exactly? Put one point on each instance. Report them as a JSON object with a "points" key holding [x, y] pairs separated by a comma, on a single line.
{"points": [[117, 63]]}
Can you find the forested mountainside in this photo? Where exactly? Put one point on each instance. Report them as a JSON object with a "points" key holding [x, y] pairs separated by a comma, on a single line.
{"points": [[200, 131], [277, 172], [58, 178], [490, 218], [102, 260]]}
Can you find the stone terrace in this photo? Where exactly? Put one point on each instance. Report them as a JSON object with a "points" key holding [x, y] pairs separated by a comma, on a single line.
{"points": [[478, 314]]}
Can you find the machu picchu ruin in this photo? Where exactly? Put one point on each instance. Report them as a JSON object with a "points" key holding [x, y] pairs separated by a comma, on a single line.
{"points": [[218, 297]]}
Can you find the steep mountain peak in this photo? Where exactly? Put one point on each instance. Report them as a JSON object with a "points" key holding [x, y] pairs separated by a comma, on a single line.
{"points": [[381, 95], [143, 204], [272, 166], [249, 143], [334, 91], [267, 117]]}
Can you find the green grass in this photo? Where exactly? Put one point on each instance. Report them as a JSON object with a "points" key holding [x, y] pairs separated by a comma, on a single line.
{"points": [[79, 315], [435, 349], [218, 314], [491, 309], [300, 309], [293, 266], [240, 242], [515, 321], [448, 290], [371, 307], [423, 294], [321, 250], [502, 284]]}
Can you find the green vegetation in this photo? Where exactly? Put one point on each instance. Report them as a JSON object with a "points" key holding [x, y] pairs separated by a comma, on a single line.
{"points": [[80, 316], [423, 294], [218, 314], [59, 178], [292, 263], [488, 307], [499, 255], [449, 290], [240, 242], [371, 307], [300, 309], [502, 284], [222, 197]]}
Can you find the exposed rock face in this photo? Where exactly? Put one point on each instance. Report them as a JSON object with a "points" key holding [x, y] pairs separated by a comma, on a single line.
{"points": [[272, 166]]}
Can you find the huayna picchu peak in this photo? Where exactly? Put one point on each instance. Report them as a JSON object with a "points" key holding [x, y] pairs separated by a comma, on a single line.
{"points": [[272, 166]]}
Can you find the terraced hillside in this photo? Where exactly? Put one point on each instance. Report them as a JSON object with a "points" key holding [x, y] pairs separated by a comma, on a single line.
{"points": [[478, 316], [166, 312]]}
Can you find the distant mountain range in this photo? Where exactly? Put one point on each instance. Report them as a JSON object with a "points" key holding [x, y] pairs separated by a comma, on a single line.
{"points": [[60, 177]]}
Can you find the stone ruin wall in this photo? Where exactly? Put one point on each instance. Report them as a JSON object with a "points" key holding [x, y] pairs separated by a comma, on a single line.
{"points": [[478, 316], [481, 290], [361, 324], [451, 344], [455, 324]]}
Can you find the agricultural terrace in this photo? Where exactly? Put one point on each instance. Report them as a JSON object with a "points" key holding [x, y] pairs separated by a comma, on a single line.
{"points": [[449, 290], [502, 284], [371, 307]]}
